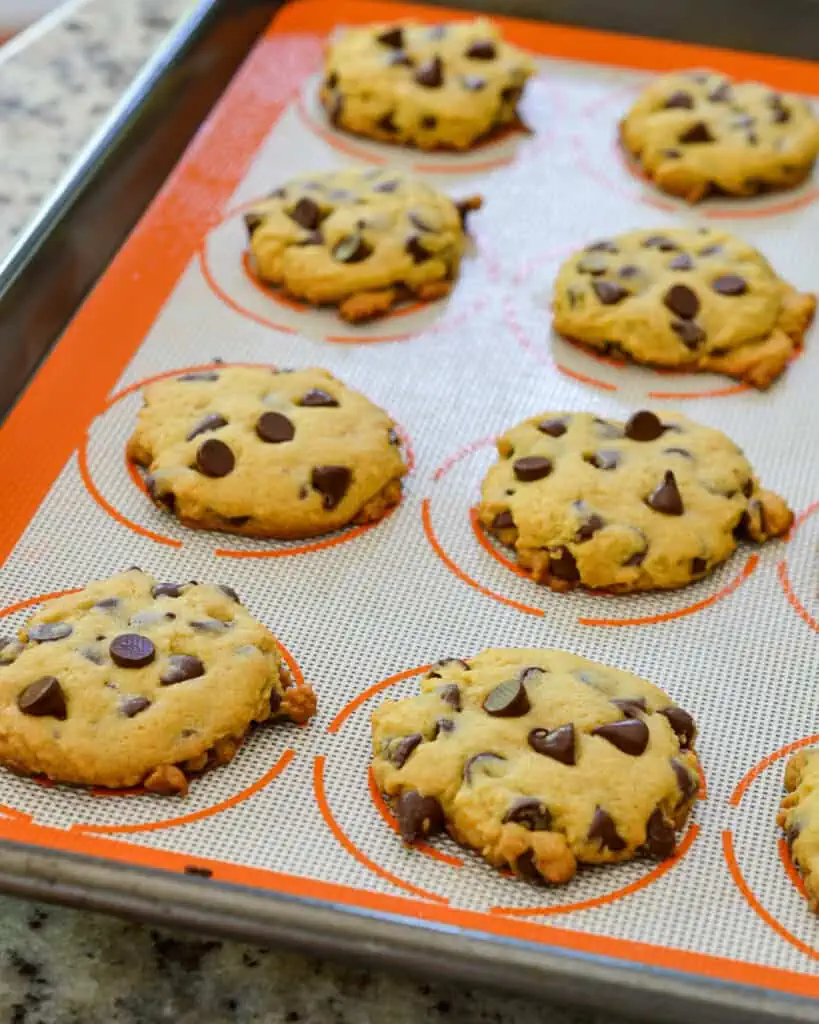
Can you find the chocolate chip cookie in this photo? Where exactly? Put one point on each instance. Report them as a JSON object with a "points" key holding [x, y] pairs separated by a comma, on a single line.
{"points": [[251, 451], [362, 240], [799, 817], [539, 760], [649, 504], [430, 86], [698, 132], [132, 681], [692, 299]]}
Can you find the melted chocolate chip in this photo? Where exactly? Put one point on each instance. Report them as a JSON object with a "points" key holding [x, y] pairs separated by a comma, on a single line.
{"points": [[503, 521], [47, 632], [214, 458], [201, 375], [209, 625], [306, 213], [418, 816], [660, 838], [96, 657], [252, 222], [131, 650], [682, 723], [563, 566], [588, 529], [631, 706], [531, 468], [680, 299], [698, 566], [609, 293], [644, 426], [332, 483], [559, 744], [213, 421], [400, 751], [391, 185], [730, 284], [507, 700], [603, 459], [722, 94], [414, 248], [686, 780], [698, 132], [431, 74], [554, 428], [131, 706], [181, 668], [274, 428], [386, 123], [482, 49], [679, 100], [667, 498], [428, 122], [604, 245], [681, 262], [393, 37], [689, 333], [604, 829], [402, 59], [316, 398], [43, 699], [660, 242], [433, 674], [352, 249], [529, 812], [166, 590], [480, 762], [629, 735], [451, 694]]}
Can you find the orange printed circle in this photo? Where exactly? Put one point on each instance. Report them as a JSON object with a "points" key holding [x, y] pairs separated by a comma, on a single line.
{"points": [[292, 548], [489, 547], [276, 297], [789, 868], [428, 850], [137, 791], [784, 578]]}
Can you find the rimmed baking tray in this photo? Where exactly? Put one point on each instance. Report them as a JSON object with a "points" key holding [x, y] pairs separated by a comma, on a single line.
{"points": [[298, 848]]}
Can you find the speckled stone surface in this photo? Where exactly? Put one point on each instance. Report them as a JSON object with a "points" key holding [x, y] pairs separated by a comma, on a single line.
{"points": [[57, 90], [62, 966]]}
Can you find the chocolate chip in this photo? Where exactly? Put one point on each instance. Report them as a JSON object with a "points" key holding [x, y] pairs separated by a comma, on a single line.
{"points": [[352, 249], [400, 750], [698, 565], [604, 829], [474, 83], [526, 867], [429, 122], [629, 735], [666, 498], [311, 238], [391, 185], [681, 262], [451, 694], [554, 428], [393, 37], [252, 222], [167, 590], [180, 668], [688, 783], [660, 242], [507, 700], [631, 706], [96, 657], [442, 725], [730, 284], [482, 761], [214, 458], [335, 109], [603, 459], [108, 603], [316, 398], [593, 264], [689, 333], [698, 132], [167, 500], [680, 299], [213, 421], [431, 74], [433, 674], [275, 428], [637, 558], [209, 625], [133, 705], [482, 49], [393, 437], [332, 482], [511, 94], [562, 565], [131, 650], [386, 123], [781, 115], [46, 632], [722, 94], [43, 699], [229, 592], [644, 426], [402, 59], [609, 292], [306, 213], [330, 82], [416, 250], [529, 812], [604, 245], [202, 375], [671, 154], [682, 723], [710, 250], [558, 743], [503, 521], [748, 488], [679, 100], [418, 816], [532, 467], [660, 838], [588, 529]]}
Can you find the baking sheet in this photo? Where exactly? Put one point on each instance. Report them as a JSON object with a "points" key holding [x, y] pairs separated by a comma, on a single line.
{"points": [[364, 611]]}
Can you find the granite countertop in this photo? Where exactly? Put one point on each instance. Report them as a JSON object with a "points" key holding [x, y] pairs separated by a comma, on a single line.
{"points": [[61, 966]]}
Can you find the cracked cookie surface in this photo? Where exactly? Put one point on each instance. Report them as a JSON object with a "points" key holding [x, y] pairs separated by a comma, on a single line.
{"points": [[693, 299], [133, 681], [360, 239], [538, 759], [697, 132], [251, 451], [430, 86], [650, 504]]}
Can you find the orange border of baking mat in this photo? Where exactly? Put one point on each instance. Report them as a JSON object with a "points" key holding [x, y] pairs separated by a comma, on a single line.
{"points": [[73, 385]]}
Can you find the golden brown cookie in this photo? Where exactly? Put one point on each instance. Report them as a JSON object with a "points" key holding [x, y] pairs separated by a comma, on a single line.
{"points": [[698, 132], [691, 299], [539, 760], [799, 817], [131, 681], [649, 504], [430, 86], [264, 454], [363, 240]]}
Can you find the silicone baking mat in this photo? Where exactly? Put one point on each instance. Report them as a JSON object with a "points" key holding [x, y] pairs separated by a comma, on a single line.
{"points": [[363, 612]]}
